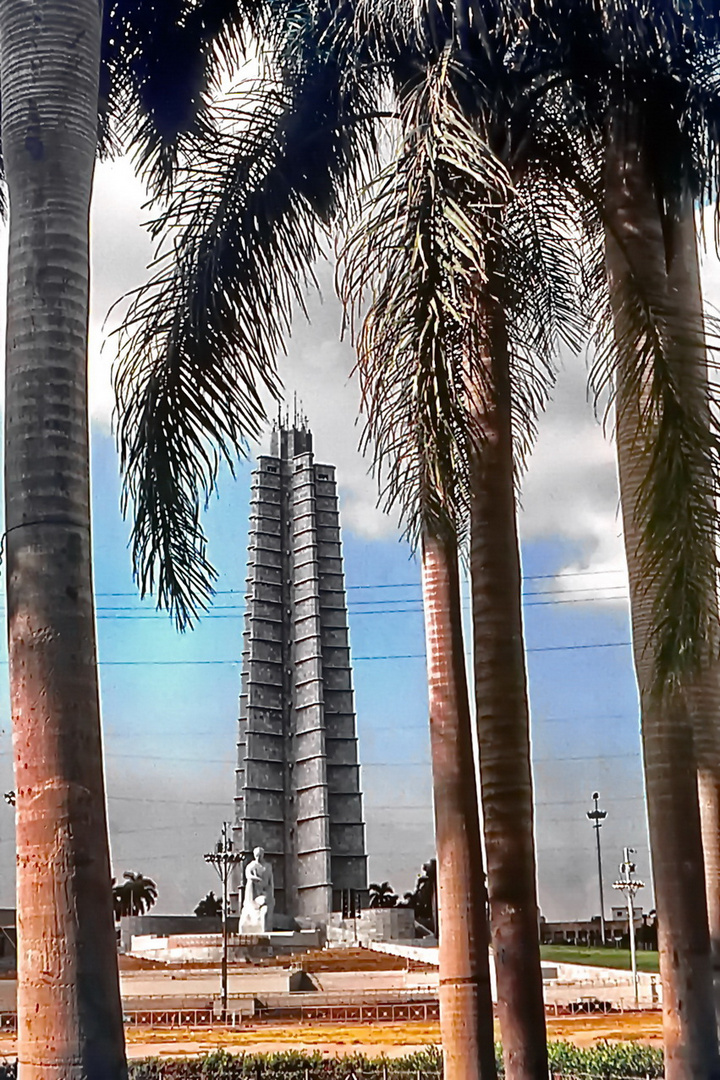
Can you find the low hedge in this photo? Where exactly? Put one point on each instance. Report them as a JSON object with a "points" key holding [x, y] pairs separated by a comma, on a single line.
{"points": [[604, 1061], [291, 1065]]}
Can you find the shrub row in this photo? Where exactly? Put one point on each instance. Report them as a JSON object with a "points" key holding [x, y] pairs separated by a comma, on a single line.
{"points": [[290, 1065], [605, 1061]]}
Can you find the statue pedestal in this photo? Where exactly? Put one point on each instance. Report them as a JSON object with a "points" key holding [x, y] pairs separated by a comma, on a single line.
{"points": [[255, 918]]}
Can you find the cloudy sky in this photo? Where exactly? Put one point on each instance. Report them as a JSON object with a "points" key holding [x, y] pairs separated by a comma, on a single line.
{"points": [[170, 701]]}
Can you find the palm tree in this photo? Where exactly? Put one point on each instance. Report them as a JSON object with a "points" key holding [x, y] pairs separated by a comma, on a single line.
{"points": [[670, 753], [461, 901], [656, 106], [443, 339], [245, 238], [69, 1010], [135, 895], [411, 363], [382, 895]]}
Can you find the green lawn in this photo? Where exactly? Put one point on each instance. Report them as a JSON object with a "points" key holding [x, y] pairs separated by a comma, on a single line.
{"points": [[615, 958]]}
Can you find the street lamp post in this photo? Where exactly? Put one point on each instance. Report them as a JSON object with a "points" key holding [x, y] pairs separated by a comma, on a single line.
{"points": [[224, 859], [630, 885], [597, 817]]}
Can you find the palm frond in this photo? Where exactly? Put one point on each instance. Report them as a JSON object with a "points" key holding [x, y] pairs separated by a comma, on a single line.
{"points": [[161, 64], [420, 248], [198, 362], [653, 358], [446, 241], [538, 290]]}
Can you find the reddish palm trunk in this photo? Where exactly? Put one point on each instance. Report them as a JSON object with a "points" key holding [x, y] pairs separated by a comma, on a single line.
{"points": [[636, 255], [503, 730], [69, 1012], [687, 322], [466, 1017]]}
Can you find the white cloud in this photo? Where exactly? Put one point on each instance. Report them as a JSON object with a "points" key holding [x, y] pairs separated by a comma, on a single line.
{"points": [[570, 490], [318, 366], [120, 250]]}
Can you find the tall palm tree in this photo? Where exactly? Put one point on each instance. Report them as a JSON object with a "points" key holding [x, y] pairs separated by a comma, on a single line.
{"points": [[421, 248], [655, 102], [69, 1013], [671, 764], [462, 928], [440, 240], [53, 59]]}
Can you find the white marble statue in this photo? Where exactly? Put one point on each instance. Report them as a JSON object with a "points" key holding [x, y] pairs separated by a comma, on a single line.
{"points": [[256, 915]]}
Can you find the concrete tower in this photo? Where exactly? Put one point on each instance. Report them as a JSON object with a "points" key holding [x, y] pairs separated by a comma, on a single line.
{"points": [[298, 778]]}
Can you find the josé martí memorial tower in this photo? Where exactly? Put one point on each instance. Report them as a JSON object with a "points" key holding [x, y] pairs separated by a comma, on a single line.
{"points": [[298, 778]]}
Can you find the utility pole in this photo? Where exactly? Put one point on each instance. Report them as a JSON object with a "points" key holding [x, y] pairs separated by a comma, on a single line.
{"points": [[597, 817], [630, 885], [224, 859]]}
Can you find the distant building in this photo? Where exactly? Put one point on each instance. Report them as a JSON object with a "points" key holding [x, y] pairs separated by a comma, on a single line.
{"points": [[587, 931], [298, 776]]}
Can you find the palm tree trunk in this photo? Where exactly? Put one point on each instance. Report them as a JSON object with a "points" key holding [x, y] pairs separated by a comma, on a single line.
{"points": [[685, 296], [466, 1016], [503, 727], [69, 1013], [636, 258], [705, 706]]}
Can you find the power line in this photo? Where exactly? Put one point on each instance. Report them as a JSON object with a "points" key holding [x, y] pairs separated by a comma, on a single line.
{"points": [[353, 604], [381, 607], [369, 803], [356, 659], [399, 764], [224, 761], [366, 730], [405, 584], [234, 661]]}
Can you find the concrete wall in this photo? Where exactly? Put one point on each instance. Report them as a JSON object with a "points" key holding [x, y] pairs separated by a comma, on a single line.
{"points": [[164, 925], [207, 948], [374, 924]]}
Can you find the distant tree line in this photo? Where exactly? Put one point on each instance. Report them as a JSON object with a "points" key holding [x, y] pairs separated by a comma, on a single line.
{"points": [[422, 899]]}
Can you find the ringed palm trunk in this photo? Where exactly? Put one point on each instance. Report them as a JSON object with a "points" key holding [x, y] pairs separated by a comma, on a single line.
{"points": [[635, 240], [501, 703], [69, 1013], [466, 1015], [687, 322]]}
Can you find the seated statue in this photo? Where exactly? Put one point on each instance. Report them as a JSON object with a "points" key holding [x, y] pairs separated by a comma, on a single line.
{"points": [[256, 915]]}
